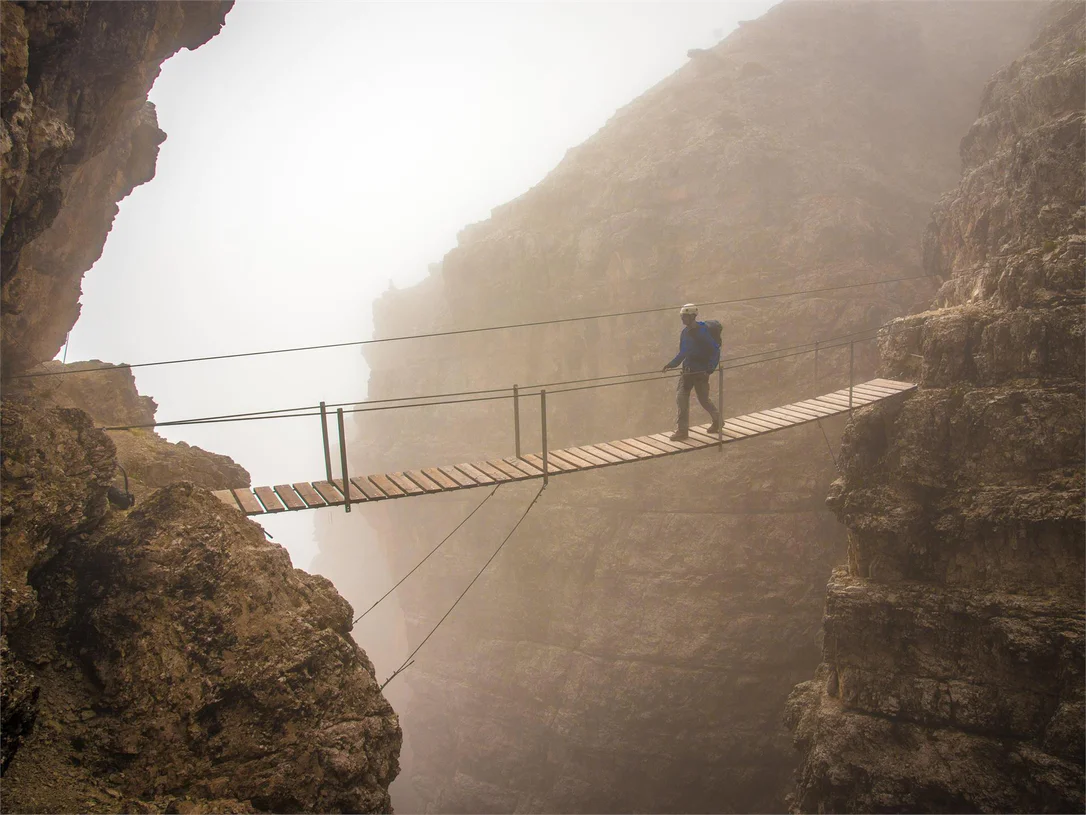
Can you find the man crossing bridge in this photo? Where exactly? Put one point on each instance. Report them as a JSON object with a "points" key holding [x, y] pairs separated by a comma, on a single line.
{"points": [[699, 354]]}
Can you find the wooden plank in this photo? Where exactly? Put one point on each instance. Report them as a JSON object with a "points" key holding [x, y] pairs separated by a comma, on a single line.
{"points": [[806, 414], [405, 483], [685, 444], [525, 467], [701, 435], [248, 503], [576, 462], [367, 487], [795, 417], [839, 401], [822, 407], [311, 497], [329, 492], [682, 443], [614, 451], [876, 391], [636, 452], [770, 422], [439, 478], [357, 495], [227, 497], [382, 482], [729, 435], [427, 484], [595, 452], [652, 451], [289, 497], [554, 465], [466, 476], [269, 499], [740, 432], [760, 426], [740, 423], [667, 448], [595, 461], [762, 416], [843, 394], [819, 409], [513, 473], [493, 472]]}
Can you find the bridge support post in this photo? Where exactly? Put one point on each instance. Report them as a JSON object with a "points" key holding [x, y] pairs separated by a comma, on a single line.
{"points": [[516, 418], [327, 452], [720, 407], [543, 420], [343, 462], [851, 357]]}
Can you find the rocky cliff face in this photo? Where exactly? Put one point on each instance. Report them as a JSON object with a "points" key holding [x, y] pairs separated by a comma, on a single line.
{"points": [[169, 658], [952, 672], [77, 136], [165, 658], [632, 648], [110, 398]]}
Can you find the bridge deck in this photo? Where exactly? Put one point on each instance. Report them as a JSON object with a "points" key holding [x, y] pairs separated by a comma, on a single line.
{"points": [[378, 487]]}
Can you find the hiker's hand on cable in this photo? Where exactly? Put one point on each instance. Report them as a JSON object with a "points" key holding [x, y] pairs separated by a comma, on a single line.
{"points": [[666, 368]]}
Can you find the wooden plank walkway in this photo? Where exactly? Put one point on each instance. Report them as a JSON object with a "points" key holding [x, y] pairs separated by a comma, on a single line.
{"points": [[381, 486]]}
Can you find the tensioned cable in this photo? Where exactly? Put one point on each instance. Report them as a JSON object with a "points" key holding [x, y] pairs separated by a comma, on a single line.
{"points": [[407, 662], [402, 579], [529, 390], [461, 331]]}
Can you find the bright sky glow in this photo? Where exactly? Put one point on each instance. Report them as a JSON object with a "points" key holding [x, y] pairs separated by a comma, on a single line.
{"points": [[318, 151]]}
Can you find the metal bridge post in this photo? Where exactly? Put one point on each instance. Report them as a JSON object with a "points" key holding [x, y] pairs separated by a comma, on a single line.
{"points": [[343, 461], [851, 357], [543, 420], [516, 417], [720, 407], [327, 452]]}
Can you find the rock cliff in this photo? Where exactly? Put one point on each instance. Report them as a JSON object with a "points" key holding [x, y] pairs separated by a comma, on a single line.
{"points": [[952, 670], [77, 135], [633, 647], [166, 658]]}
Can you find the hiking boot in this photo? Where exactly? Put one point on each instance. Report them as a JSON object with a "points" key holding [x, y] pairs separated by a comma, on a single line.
{"points": [[679, 435], [713, 428]]}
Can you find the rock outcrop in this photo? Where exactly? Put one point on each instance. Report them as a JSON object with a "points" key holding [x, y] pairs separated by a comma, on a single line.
{"points": [[952, 676], [77, 135], [108, 395], [633, 646], [169, 658], [166, 658]]}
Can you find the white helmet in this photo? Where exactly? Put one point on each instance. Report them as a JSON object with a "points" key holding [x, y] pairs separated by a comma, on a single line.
{"points": [[689, 308]]}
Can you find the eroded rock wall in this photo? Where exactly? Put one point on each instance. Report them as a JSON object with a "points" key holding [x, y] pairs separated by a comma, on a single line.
{"points": [[632, 647], [77, 135], [169, 656], [108, 395], [952, 673]]}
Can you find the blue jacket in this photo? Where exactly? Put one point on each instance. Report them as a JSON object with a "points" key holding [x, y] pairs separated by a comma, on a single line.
{"points": [[697, 350]]}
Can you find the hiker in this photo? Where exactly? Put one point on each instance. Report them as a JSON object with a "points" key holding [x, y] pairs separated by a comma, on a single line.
{"points": [[699, 353]]}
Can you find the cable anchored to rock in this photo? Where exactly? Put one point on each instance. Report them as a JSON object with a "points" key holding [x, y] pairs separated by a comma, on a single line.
{"points": [[463, 331]]}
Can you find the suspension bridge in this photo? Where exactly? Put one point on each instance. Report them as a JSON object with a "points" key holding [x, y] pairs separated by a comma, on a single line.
{"points": [[347, 490]]}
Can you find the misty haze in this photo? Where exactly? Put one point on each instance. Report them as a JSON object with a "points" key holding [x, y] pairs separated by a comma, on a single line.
{"points": [[543, 407]]}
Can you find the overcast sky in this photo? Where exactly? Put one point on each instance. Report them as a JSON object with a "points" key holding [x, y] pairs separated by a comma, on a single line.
{"points": [[317, 151]]}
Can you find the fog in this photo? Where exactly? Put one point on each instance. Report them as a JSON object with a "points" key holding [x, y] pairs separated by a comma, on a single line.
{"points": [[321, 152]]}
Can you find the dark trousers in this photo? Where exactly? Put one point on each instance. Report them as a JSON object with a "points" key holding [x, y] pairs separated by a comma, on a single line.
{"points": [[699, 382]]}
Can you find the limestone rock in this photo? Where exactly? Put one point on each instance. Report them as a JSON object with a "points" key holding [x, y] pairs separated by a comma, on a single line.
{"points": [[952, 673], [78, 135]]}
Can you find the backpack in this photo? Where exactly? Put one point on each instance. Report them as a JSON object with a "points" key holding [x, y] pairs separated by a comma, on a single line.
{"points": [[716, 331]]}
